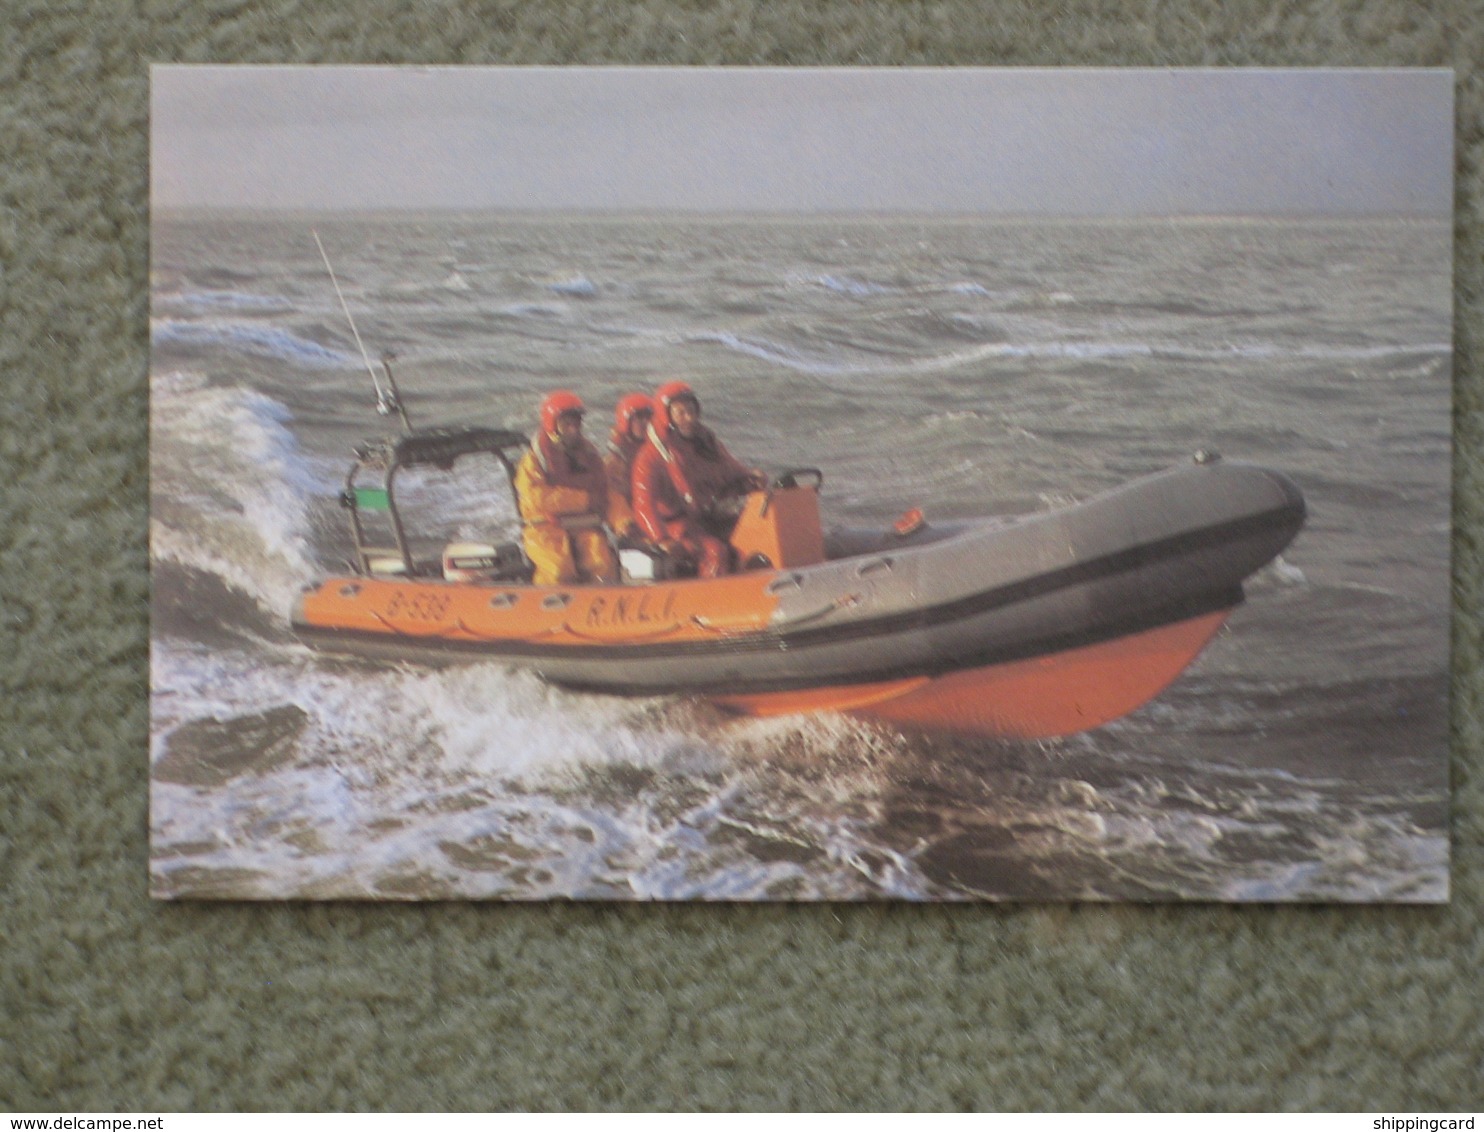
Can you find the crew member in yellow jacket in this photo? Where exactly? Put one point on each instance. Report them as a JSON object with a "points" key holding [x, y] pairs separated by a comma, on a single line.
{"points": [[563, 493]]}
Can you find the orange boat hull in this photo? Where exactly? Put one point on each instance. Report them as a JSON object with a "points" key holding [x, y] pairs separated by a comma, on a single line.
{"points": [[1043, 697], [1034, 627]]}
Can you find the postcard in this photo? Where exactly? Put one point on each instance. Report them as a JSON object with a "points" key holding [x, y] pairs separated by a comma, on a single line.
{"points": [[819, 484]]}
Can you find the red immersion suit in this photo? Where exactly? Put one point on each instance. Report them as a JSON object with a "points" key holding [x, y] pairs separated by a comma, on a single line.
{"points": [[675, 484]]}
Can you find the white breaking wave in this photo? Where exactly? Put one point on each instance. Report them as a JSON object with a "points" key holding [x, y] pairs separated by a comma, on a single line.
{"points": [[472, 778], [815, 364], [1334, 353], [578, 286], [252, 339], [818, 366], [233, 484], [847, 286], [769, 352]]}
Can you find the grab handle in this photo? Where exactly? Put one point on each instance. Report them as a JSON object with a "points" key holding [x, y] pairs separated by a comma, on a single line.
{"points": [[789, 478]]}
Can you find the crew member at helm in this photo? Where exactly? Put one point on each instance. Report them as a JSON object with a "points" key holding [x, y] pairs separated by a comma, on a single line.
{"points": [[630, 433], [563, 493], [680, 475]]}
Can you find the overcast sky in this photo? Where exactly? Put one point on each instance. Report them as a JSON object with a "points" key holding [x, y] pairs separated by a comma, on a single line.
{"points": [[1070, 142]]}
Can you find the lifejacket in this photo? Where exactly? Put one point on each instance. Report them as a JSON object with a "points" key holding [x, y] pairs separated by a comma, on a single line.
{"points": [[619, 465], [676, 478], [622, 448]]}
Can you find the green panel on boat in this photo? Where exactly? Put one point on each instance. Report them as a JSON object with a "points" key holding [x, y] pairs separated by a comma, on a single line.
{"points": [[372, 499]]}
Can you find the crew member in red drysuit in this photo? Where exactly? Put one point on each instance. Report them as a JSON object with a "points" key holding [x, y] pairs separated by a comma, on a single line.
{"points": [[630, 433], [679, 476]]}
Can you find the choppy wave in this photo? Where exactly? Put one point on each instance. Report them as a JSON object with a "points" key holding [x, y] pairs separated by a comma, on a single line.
{"points": [[577, 287], [252, 339], [425, 290], [543, 311], [822, 364], [774, 352], [279, 772], [229, 300], [847, 286]]}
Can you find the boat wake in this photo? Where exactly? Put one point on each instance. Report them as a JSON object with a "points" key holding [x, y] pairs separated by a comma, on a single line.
{"points": [[296, 777], [278, 772]]}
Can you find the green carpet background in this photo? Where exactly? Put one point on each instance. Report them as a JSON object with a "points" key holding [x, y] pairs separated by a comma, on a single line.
{"points": [[111, 1002]]}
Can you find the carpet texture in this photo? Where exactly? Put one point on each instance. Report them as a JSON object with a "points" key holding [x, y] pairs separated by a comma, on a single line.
{"points": [[111, 1002]]}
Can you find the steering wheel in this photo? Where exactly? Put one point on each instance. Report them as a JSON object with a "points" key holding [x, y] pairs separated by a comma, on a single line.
{"points": [[729, 503]]}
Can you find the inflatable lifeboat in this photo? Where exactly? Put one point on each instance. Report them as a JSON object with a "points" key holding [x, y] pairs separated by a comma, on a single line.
{"points": [[1027, 627]]}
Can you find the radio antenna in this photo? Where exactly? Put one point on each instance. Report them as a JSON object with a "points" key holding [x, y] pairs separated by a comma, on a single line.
{"points": [[386, 399]]}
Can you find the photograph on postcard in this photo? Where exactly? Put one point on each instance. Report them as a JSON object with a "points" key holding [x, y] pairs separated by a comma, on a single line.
{"points": [[762, 484]]}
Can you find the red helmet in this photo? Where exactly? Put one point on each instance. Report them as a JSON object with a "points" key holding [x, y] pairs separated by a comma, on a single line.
{"points": [[673, 391], [558, 404], [629, 405]]}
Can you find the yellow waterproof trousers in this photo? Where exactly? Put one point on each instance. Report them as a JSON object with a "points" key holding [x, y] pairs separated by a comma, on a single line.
{"points": [[565, 558]]}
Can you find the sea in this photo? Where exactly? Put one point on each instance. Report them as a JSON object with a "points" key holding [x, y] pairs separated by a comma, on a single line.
{"points": [[968, 366]]}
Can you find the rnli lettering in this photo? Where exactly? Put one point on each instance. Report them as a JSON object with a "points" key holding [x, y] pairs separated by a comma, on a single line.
{"points": [[617, 612], [417, 606]]}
